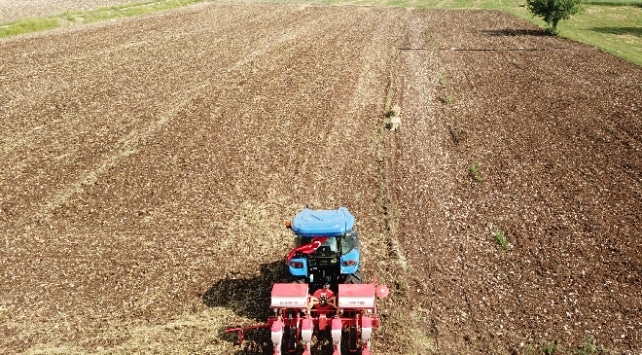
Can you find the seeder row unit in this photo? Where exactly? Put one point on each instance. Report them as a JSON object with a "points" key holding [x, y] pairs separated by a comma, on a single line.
{"points": [[348, 315]]}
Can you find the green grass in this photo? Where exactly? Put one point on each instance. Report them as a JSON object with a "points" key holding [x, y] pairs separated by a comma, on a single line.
{"points": [[591, 348], [27, 26], [613, 2], [550, 348], [37, 24], [613, 29]]}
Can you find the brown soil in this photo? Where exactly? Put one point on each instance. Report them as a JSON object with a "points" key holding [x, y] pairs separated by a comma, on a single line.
{"points": [[148, 164]]}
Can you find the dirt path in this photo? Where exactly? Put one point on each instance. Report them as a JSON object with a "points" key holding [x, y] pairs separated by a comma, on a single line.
{"points": [[147, 166]]}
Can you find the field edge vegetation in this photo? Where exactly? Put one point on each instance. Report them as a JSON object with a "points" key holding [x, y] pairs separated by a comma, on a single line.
{"points": [[69, 18]]}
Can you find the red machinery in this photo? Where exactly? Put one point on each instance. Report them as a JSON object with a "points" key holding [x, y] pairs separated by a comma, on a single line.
{"points": [[349, 313]]}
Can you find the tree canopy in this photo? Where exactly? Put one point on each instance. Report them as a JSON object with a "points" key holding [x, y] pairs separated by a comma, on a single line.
{"points": [[552, 11]]}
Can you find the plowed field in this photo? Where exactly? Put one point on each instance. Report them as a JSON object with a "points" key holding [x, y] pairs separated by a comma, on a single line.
{"points": [[147, 166]]}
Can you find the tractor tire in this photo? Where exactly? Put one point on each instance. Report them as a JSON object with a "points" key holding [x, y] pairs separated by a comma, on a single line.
{"points": [[352, 339], [354, 278], [290, 333], [355, 238]]}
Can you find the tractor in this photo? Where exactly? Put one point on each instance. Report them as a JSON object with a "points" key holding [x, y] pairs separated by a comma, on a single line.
{"points": [[325, 298], [327, 249]]}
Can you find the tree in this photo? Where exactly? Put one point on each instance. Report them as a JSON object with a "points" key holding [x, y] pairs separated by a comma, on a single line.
{"points": [[552, 11]]}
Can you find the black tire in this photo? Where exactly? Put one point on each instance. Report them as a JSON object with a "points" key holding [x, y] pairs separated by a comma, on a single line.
{"points": [[353, 339], [355, 238], [300, 280], [354, 278], [290, 333]]}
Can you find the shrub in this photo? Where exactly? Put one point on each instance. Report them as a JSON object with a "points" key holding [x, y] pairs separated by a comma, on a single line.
{"points": [[552, 11]]}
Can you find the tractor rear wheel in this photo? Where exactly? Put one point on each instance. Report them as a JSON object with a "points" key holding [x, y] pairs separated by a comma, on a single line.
{"points": [[300, 280], [291, 334], [354, 278]]}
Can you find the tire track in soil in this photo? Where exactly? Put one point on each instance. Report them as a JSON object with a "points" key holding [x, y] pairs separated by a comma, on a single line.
{"points": [[419, 188], [284, 44], [130, 145], [131, 142], [19, 69], [345, 117]]}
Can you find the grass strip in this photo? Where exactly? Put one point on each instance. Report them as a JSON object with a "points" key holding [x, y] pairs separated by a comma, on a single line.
{"points": [[36, 24], [27, 26], [613, 2], [613, 29]]}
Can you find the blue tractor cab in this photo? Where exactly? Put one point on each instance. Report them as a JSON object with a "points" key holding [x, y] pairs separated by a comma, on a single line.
{"points": [[327, 248]]}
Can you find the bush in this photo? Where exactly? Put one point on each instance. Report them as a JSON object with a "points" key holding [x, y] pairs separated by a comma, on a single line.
{"points": [[552, 11]]}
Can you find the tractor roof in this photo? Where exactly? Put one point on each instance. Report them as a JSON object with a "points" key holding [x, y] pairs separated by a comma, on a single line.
{"points": [[330, 223]]}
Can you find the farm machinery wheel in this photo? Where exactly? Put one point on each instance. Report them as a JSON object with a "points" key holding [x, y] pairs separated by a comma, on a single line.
{"points": [[300, 280], [354, 278], [292, 334]]}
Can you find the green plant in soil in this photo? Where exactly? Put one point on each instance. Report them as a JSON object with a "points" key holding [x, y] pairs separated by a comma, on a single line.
{"points": [[589, 348], [448, 100], [457, 134], [474, 172], [548, 349], [501, 239]]}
